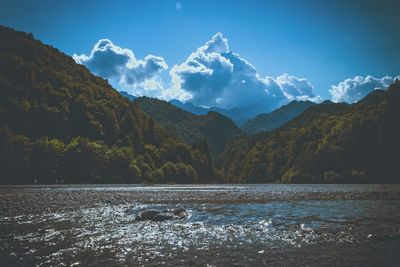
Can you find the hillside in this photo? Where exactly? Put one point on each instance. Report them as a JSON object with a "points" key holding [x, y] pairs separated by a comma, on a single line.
{"points": [[189, 107], [58, 122], [213, 127], [239, 114], [127, 95], [276, 118], [328, 143]]}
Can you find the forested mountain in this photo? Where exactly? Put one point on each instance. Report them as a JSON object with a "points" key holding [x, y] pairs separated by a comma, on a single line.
{"points": [[189, 107], [213, 127], [127, 95], [328, 143], [276, 118], [58, 122], [242, 114], [239, 114]]}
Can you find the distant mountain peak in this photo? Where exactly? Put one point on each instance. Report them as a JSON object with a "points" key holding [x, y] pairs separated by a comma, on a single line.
{"points": [[276, 118]]}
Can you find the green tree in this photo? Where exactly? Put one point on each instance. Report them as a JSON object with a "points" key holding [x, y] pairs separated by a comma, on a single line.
{"points": [[46, 159]]}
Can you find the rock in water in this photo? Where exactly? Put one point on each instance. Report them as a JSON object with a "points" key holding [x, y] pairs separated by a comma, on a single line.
{"points": [[162, 215], [180, 211], [148, 214]]}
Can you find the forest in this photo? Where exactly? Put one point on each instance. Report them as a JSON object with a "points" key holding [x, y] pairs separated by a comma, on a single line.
{"points": [[276, 118], [61, 124], [213, 128], [328, 143]]}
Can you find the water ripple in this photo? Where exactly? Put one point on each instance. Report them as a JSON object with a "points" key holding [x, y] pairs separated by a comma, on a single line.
{"points": [[106, 233]]}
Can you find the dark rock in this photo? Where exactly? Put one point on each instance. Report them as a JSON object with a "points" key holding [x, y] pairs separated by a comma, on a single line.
{"points": [[180, 211], [162, 215], [148, 214]]}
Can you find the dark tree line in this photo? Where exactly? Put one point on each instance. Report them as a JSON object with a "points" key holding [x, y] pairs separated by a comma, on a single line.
{"points": [[47, 160]]}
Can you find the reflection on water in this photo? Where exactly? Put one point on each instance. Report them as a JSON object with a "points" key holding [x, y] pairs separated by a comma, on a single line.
{"points": [[284, 232]]}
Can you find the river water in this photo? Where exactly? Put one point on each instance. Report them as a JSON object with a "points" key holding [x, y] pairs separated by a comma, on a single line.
{"points": [[228, 225]]}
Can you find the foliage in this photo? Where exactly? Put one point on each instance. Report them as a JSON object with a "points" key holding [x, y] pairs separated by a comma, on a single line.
{"points": [[60, 123], [214, 128], [335, 143], [276, 118]]}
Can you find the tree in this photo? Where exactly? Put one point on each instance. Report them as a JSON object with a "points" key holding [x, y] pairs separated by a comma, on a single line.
{"points": [[46, 159]]}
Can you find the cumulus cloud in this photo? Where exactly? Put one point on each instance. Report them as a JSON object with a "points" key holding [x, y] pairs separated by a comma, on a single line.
{"points": [[212, 76], [215, 76], [296, 88], [353, 89], [121, 66]]}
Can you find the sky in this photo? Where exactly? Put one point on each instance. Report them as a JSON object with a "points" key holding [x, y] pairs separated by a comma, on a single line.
{"points": [[224, 53]]}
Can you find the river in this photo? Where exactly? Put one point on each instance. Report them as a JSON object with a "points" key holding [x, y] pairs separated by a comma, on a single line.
{"points": [[228, 225]]}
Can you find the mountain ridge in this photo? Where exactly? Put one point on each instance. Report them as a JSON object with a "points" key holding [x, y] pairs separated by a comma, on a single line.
{"points": [[213, 127], [276, 118], [238, 114], [328, 143]]}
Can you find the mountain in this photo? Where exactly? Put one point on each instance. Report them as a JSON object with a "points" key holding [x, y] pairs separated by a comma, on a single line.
{"points": [[276, 118], [189, 107], [214, 128], [58, 122], [374, 97], [242, 114], [239, 114], [327, 143], [127, 95]]}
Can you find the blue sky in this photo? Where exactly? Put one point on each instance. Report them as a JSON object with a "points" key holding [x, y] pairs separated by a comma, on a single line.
{"points": [[325, 42]]}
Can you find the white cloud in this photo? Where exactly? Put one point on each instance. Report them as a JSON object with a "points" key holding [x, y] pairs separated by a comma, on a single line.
{"points": [[353, 89], [215, 76], [121, 66], [211, 76]]}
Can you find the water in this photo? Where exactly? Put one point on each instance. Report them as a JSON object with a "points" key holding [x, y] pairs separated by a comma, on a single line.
{"points": [[250, 225]]}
